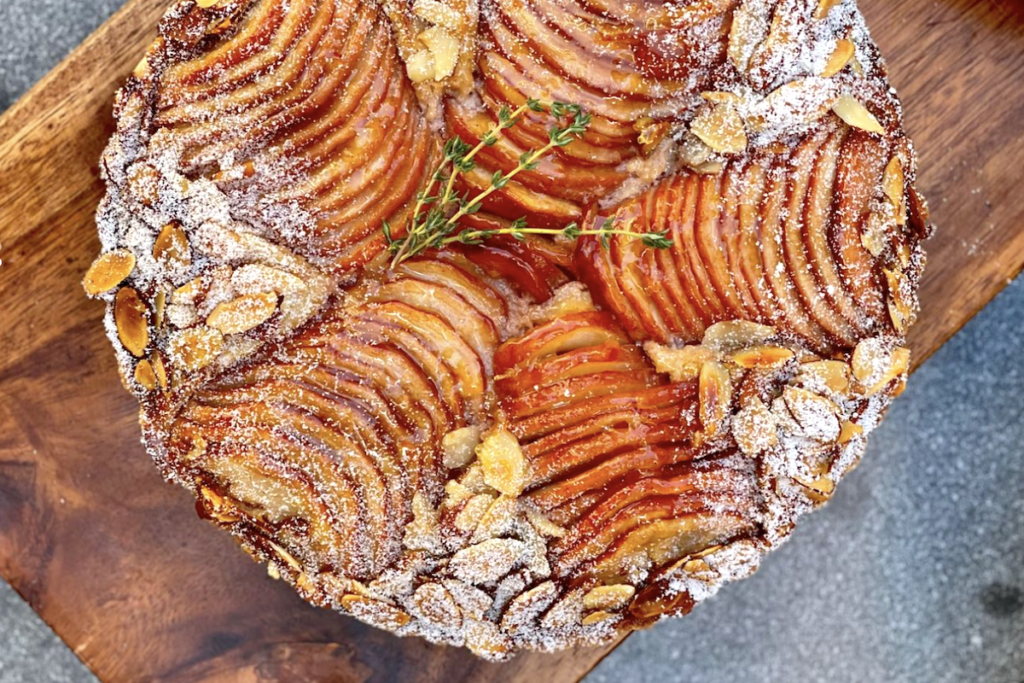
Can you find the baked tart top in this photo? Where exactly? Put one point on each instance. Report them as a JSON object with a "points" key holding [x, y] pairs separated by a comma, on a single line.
{"points": [[511, 325]]}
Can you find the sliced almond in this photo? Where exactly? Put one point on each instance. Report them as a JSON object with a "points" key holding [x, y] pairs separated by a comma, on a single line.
{"points": [[857, 115], [823, 485], [875, 233], [817, 416], [145, 376], [444, 48], [159, 370], [244, 313], [435, 605], [459, 446], [849, 431], [721, 97], [749, 28], [841, 56], [108, 271], [504, 465], [206, 4], [487, 561], [375, 612], [596, 618], [754, 429], [737, 334], [797, 103], [715, 391], [609, 597], [893, 184], [762, 357], [159, 305], [197, 347], [721, 128], [833, 375], [824, 7], [472, 512], [545, 526], [130, 320], [420, 66], [171, 245], [679, 364]]}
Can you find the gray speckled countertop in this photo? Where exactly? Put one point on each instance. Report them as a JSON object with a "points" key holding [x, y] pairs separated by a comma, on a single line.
{"points": [[913, 573]]}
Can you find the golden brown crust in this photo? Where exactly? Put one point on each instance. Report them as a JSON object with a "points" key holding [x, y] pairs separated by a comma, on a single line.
{"points": [[516, 444]]}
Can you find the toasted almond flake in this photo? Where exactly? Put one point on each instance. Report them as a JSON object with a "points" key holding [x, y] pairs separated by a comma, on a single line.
{"points": [[504, 465], [797, 103], [444, 48], [108, 271], [749, 27], [244, 313], [273, 572], [159, 304], [721, 128], [609, 597], [824, 7], [762, 357], [497, 520], [171, 245], [285, 555], [435, 605], [849, 431], [422, 532], [472, 512], [376, 612], [721, 97], [817, 416], [841, 56], [737, 334], [754, 429], [486, 561], [893, 183], [145, 375], [679, 364], [544, 526], [420, 66], [206, 4], [197, 347], [459, 446], [874, 234], [823, 485], [596, 618], [715, 391], [130, 320], [159, 370], [856, 114], [833, 375]]}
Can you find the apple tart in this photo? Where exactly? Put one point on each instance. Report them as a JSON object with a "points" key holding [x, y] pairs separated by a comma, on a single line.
{"points": [[511, 324]]}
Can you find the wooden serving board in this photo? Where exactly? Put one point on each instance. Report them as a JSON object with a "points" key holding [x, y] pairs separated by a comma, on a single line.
{"points": [[117, 561]]}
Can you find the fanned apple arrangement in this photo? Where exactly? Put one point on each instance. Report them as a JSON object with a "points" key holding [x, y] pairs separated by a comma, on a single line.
{"points": [[511, 324]]}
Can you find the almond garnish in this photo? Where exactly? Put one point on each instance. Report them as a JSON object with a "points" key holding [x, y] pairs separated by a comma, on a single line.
{"points": [[108, 271], [172, 245], [893, 185], [197, 347], [459, 446], [833, 375], [737, 334], [841, 56], [857, 115], [715, 391], [437, 13], [505, 466], [679, 364], [420, 66], [721, 128], [609, 597], [761, 357], [375, 612], [159, 370], [596, 618], [749, 27], [487, 561], [244, 313], [130, 320], [444, 49], [754, 429], [817, 416], [824, 7], [435, 605], [145, 376], [651, 133]]}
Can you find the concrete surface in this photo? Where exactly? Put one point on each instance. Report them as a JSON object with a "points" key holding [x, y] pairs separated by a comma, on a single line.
{"points": [[912, 574]]}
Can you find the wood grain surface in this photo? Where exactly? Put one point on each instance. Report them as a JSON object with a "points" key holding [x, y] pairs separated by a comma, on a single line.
{"points": [[117, 561]]}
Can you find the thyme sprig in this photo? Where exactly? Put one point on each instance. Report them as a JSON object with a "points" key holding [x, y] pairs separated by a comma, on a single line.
{"points": [[435, 218]]}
